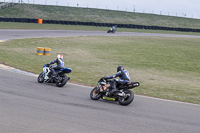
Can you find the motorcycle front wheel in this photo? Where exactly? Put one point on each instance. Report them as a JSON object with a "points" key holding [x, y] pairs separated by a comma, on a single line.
{"points": [[127, 99], [41, 78], [95, 94]]}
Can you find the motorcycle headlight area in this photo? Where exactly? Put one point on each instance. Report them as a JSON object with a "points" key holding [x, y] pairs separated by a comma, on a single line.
{"points": [[46, 69], [103, 83]]}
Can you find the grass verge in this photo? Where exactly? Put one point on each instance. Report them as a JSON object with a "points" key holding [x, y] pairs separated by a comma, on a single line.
{"points": [[166, 67]]}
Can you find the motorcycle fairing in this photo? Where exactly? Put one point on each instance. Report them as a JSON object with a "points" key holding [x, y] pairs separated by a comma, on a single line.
{"points": [[65, 70]]}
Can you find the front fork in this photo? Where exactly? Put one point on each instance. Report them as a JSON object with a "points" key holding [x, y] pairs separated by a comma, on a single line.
{"points": [[46, 72]]}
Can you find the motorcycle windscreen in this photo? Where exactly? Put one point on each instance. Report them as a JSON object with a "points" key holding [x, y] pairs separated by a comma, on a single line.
{"points": [[66, 70]]}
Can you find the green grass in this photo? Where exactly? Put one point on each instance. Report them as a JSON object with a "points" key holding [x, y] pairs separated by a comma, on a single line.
{"points": [[166, 67], [95, 15], [12, 25]]}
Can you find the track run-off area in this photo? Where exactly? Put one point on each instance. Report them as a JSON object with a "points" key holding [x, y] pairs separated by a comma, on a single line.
{"points": [[29, 107]]}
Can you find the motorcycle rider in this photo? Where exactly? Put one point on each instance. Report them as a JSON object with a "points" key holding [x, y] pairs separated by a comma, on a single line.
{"points": [[114, 28], [123, 78], [60, 64]]}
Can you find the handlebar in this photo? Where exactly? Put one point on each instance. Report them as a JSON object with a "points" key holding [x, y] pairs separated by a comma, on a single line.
{"points": [[46, 65], [107, 80]]}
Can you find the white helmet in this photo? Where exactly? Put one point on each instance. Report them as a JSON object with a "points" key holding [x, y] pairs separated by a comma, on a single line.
{"points": [[59, 56]]}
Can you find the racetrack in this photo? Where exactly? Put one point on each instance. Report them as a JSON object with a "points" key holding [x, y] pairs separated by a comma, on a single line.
{"points": [[29, 107], [18, 34]]}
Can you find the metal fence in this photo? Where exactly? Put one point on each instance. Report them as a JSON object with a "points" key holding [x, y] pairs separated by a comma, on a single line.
{"points": [[6, 5]]}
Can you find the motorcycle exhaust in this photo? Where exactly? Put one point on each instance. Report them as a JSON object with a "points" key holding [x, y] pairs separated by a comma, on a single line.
{"points": [[133, 85]]}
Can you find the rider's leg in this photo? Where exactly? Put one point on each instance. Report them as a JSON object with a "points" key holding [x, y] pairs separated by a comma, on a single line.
{"points": [[53, 70], [114, 88], [53, 73], [118, 83]]}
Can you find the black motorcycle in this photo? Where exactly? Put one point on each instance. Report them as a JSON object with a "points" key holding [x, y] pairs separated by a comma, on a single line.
{"points": [[60, 79], [111, 31], [123, 95]]}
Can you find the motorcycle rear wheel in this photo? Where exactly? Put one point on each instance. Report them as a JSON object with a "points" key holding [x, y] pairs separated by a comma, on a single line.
{"points": [[41, 78], [63, 81], [127, 99], [95, 94]]}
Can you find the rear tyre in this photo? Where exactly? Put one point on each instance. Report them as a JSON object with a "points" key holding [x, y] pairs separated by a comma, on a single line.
{"points": [[95, 94], [41, 78], [63, 81], [127, 99]]}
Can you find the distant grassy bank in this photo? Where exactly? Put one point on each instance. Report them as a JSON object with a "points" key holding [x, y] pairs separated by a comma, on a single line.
{"points": [[95, 15], [166, 67]]}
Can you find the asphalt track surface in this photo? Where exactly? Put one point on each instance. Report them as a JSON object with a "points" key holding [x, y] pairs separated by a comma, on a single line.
{"points": [[29, 107], [19, 34]]}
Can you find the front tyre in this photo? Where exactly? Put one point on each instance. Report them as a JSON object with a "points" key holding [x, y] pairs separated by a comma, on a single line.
{"points": [[127, 99], [63, 81], [41, 78], [95, 94]]}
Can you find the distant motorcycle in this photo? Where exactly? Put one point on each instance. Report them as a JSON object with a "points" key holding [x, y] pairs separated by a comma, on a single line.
{"points": [[113, 29], [123, 95], [60, 79]]}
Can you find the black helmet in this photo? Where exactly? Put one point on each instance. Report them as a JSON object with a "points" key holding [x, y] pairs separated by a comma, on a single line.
{"points": [[120, 68]]}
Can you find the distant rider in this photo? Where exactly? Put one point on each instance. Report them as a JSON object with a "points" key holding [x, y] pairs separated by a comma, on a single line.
{"points": [[123, 78], [60, 64], [114, 28]]}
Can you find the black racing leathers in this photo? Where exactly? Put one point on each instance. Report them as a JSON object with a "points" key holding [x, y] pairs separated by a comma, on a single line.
{"points": [[123, 78]]}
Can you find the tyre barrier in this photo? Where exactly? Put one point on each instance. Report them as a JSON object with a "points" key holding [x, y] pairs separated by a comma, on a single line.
{"points": [[40, 51], [47, 51], [132, 26], [43, 51]]}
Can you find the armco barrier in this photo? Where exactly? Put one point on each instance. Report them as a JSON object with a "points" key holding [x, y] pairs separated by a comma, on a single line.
{"points": [[133, 26]]}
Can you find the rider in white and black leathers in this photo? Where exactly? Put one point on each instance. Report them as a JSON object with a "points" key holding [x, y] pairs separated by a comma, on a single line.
{"points": [[60, 64], [122, 74]]}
